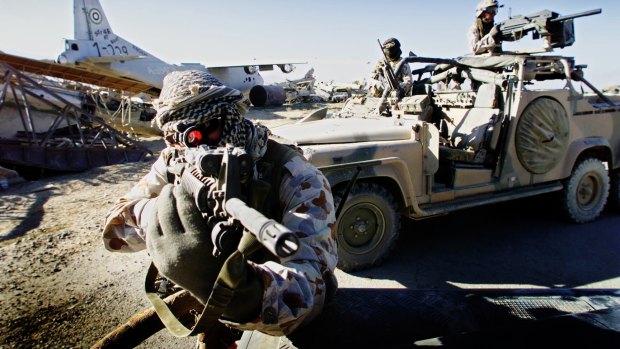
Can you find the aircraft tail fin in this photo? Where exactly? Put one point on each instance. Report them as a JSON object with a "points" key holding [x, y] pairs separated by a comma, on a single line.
{"points": [[89, 19], [91, 24]]}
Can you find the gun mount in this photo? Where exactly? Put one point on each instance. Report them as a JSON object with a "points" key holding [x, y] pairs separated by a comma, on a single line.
{"points": [[559, 31]]}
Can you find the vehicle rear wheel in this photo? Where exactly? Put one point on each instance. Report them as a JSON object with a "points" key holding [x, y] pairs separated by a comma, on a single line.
{"points": [[586, 190], [368, 226]]}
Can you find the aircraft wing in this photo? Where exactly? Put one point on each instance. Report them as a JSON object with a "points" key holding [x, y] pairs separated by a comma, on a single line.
{"points": [[286, 67], [74, 73]]}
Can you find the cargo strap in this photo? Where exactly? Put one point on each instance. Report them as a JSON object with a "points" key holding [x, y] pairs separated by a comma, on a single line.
{"points": [[218, 300]]}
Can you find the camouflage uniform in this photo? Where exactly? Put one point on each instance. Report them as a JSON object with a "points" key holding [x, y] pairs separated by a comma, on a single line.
{"points": [[294, 289], [479, 40], [378, 81]]}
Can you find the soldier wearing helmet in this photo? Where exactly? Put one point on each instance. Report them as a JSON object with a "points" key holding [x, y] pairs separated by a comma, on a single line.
{"points": [[484, 35], [392, 53]]}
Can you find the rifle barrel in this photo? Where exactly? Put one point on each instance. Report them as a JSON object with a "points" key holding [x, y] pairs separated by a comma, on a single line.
{"points": [[577, 15]]}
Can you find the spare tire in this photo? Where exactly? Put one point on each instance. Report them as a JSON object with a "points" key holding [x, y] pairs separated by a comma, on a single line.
{"points": [[542, 135]]}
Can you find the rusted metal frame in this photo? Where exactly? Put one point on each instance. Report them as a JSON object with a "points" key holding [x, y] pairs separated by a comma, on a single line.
{"points": [[40, 86], [79, 110], [4, 88], [117, 136], [58, 119], [27, 124], [100, 135], [55, 125], [59, 109], [79, 127], [7, 82], [20, 85]]}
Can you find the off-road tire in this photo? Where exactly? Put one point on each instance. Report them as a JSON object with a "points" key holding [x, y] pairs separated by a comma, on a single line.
{"points": [[368, 226], [586, 191]]}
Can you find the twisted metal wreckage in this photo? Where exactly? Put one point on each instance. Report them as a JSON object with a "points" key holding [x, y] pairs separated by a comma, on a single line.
{"points": [[75, 140]]}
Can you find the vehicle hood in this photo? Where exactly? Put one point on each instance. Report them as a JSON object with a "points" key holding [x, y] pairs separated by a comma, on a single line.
{"points": [[343, 130]]}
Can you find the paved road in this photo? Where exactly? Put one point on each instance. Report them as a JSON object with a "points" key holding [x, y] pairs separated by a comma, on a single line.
{"points": [[522, 244]]}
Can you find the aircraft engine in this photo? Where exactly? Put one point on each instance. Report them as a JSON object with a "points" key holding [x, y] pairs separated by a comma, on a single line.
{"points": [[250, 69], [286, 68]]}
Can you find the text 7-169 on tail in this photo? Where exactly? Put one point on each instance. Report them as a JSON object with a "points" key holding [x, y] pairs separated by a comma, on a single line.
{"points": [[473, 131]]}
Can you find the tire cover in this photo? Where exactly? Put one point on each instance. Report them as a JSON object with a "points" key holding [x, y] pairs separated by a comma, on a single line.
{"points": [[542, 135]]}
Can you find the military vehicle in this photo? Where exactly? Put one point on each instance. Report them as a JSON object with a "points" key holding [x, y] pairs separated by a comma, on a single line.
{"points": [[493, 138]]}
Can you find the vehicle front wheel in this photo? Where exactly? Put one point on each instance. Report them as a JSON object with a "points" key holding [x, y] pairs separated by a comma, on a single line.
{"points": [[586, 190], [368, 226]]}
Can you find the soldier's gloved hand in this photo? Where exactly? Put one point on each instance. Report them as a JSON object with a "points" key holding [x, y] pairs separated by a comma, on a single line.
{"points": [[179, 242], [247, 301], [495, 33]]}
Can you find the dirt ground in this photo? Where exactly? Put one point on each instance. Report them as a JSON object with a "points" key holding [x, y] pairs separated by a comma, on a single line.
{"points": [[59, 287]]}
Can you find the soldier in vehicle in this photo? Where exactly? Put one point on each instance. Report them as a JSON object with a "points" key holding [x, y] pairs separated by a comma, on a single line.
{"points": [[274, 296], [378, 80], [484, 34]]}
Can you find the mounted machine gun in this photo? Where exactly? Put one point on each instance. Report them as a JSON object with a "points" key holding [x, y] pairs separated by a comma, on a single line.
{"points": [[558, 30]]}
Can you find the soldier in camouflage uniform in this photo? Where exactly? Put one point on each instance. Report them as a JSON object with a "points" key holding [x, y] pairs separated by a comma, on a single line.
{"points": [[484, 35], [377, 83], [280, 294]]}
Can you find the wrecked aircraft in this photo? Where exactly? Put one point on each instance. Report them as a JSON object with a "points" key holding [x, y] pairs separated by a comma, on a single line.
{"points": [[64, 136], [303, 90]]}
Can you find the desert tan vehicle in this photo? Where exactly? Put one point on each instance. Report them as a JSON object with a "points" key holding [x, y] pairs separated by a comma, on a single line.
{"points": [[474, 131]]}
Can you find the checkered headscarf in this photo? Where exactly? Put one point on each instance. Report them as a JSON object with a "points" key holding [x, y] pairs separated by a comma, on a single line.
{"points": [[193, 97]]}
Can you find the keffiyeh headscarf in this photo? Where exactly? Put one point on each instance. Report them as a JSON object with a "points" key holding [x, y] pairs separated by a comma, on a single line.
{"points": [[194, 97]]}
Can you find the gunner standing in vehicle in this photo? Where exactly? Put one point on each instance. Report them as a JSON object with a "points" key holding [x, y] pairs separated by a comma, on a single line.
{"points": [[378, 80], [484, 36], [275, 295]]}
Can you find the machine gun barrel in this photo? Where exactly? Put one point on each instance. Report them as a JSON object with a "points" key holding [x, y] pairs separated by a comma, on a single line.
{"points": [[576, 15], [277, 238]]}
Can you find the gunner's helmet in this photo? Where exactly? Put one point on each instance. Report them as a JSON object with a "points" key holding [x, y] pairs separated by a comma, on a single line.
{"points": [[490, 6]]}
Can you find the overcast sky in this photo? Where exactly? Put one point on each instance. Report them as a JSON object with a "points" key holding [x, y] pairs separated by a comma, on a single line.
{"points": [[337, 38]]}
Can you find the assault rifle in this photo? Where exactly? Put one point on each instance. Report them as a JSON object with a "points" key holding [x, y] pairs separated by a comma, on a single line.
{"points": [[214, 178], [559, 30], [388, 72]]}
